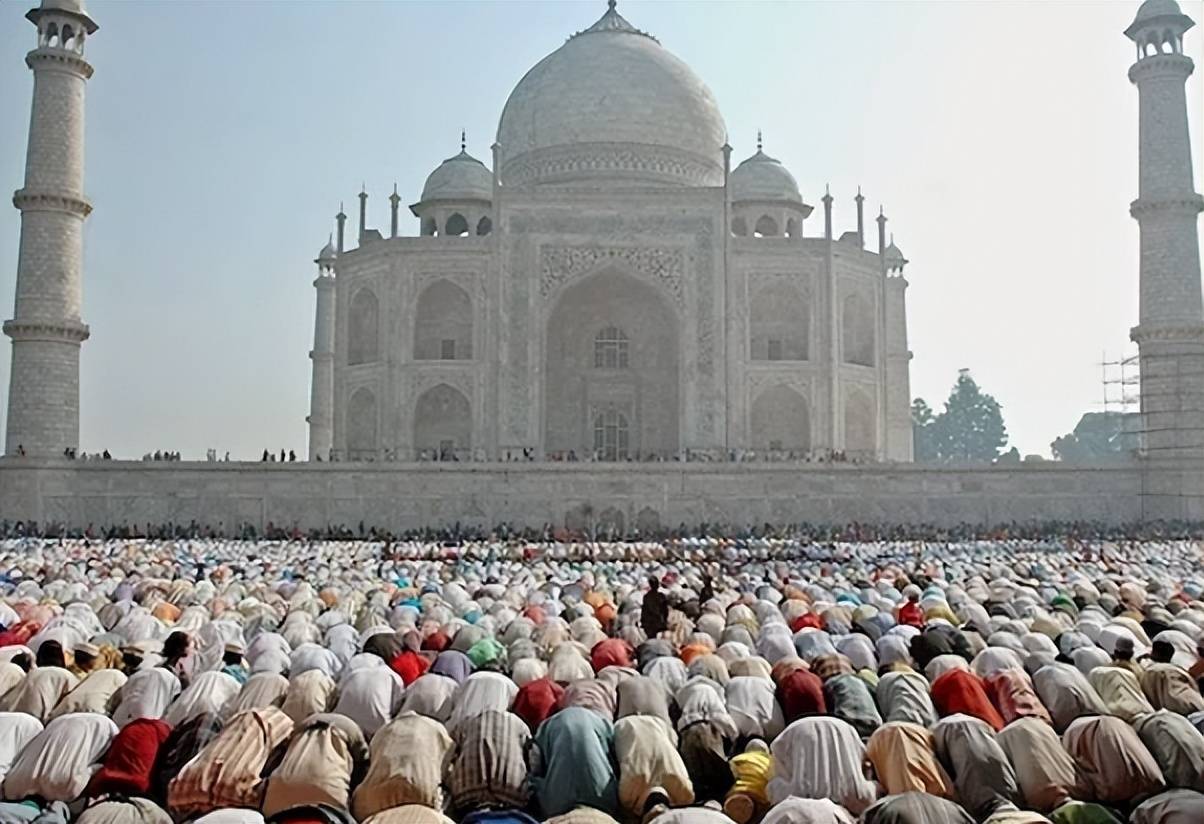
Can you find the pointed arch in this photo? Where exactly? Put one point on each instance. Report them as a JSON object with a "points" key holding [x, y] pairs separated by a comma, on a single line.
{"points": [[857, 331], [443, 423], [484, 226], [443, 323], [780, 420], [766, 227], [860, 425], [584, 372], [456, 226], [779, 323], [363, 335], [362, 425]]}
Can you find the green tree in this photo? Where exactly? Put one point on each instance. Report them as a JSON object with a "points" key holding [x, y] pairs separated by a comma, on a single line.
{"points": [[923, 431], [1098, 436], [969, 429]]}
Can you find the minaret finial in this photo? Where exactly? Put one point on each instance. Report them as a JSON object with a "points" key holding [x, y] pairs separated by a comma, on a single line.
{"points": [[760, 142], [463, 140]]}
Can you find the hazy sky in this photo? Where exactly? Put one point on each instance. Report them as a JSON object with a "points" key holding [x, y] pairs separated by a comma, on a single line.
{"points": [[1001, 137]]}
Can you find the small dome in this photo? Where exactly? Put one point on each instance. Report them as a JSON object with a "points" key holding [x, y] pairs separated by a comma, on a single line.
{"points": [[1156, 8], [462, 177], [328, 252], [1159, 13], [72, 7], [894, 256], [761, 177]]}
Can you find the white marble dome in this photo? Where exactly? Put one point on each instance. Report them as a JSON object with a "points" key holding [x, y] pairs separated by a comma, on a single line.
{"points": [[762, 177], [611, 106], [462, 177]]}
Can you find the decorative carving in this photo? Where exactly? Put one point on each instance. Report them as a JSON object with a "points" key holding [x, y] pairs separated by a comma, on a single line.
{"points": [[603, 160], [34, 201], [63, 331], [561, 265]]}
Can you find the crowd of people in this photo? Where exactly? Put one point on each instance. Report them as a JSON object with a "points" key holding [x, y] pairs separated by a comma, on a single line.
{"points": [[762, 679]]}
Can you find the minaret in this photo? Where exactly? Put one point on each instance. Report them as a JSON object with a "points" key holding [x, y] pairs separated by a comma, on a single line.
{"points": [[363, 213], [46, 330], [321, 394], [1170, 334]]}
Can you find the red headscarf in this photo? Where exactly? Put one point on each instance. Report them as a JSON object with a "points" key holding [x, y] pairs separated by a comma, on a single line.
{"points": [[131, 759], [536, 700], [962, 691], [801, 693], [613, 652]]}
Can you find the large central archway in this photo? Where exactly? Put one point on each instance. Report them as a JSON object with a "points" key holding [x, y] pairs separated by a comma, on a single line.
{"points": [[611, 370]]}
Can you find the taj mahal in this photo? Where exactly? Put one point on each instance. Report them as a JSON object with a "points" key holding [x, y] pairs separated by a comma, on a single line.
{"points": [[615, 287], [611, 320]]}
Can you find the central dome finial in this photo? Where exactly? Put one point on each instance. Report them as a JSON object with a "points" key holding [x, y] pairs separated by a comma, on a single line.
{"points": [[610, 4]]}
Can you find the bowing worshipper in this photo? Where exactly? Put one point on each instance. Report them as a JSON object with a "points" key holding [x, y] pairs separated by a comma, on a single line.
{"points": [[1045, 772], [370, 696], [11, 676], [480, 692], [308, 655], [408, 814], [1012, 694], [821, 757], [431, 695], [395, 777], [146, 694], [262, 689], [325, 759], [1081, 812], [182, 745], [45, 685], [1169, 687], [17, 729], [641, 695], [916, 808], [807, 811], [704, 746], [959, 691], [228, 771], [1176, 745], [57, 764], [536, 700], [851, 699], [309, 692], [591, 694], [410, 662], [1177, 806], [983, 777], [97, 692], [748, 798], [1067, 694], [124, 811], [753, 707], [489, 766], [571, 763], [904, 696], [904, 760], [210, 693], [128, 767], [1115, 767], [1120, 691], [651, 772]]}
